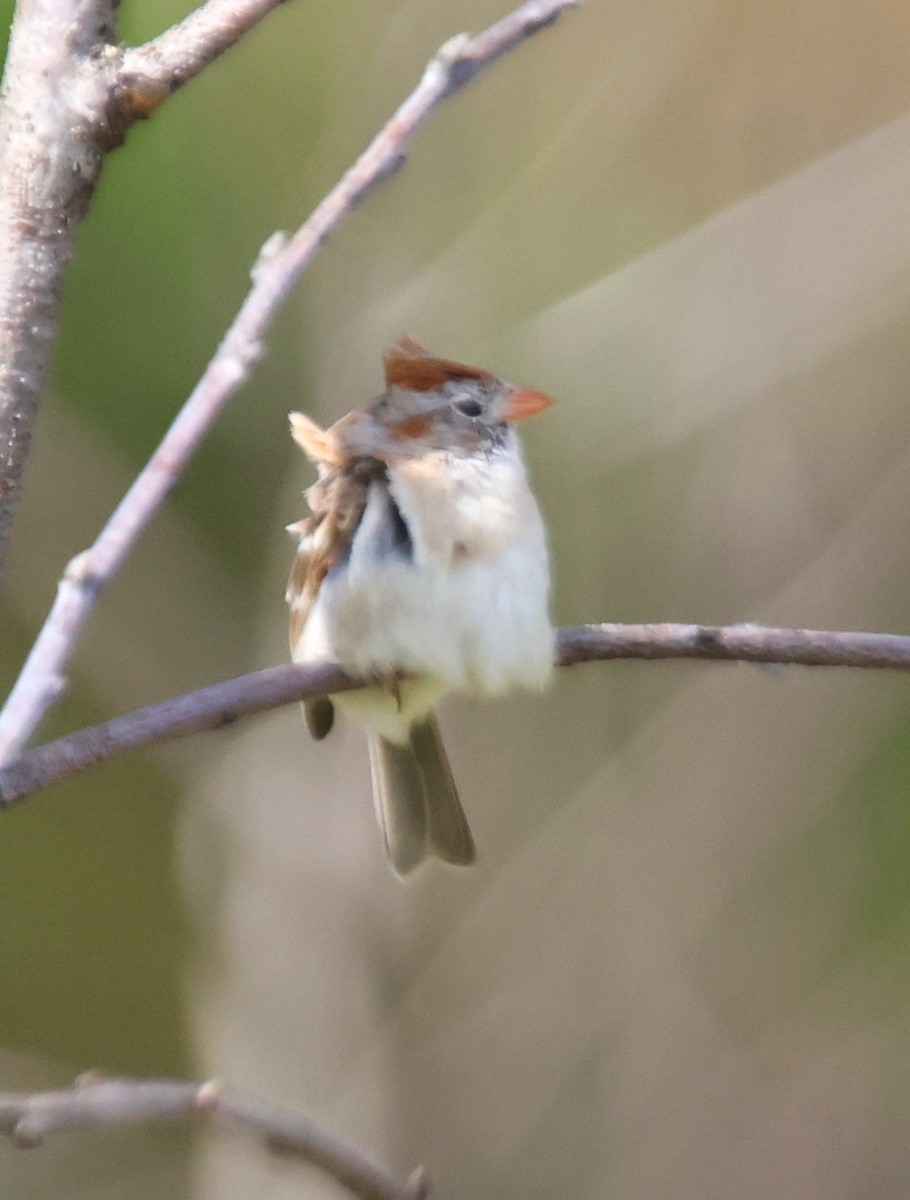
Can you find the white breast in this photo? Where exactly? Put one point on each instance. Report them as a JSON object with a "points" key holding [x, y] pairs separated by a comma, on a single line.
{"points": [[469, 606]]}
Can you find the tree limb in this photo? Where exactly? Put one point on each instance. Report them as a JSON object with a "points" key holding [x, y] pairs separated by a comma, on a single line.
{"points": [[70, 94], [52, 137], [224, 703], [93, 1101], [280, 264]]}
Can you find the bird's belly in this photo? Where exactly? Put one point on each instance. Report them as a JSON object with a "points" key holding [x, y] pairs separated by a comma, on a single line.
{"points": [[477, 625]]}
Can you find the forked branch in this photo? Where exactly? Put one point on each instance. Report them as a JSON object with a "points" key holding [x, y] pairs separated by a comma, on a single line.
{"points": [[176, 56]]}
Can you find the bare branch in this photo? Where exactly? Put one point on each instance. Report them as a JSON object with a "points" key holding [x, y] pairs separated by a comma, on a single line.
{"points": [[739, 643], [222, 704], [159, 67], [211, 707], [29, 1118], [52, 133], [281, 263]]}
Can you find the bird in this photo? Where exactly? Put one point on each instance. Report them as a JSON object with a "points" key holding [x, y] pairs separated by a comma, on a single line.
{"points": [[423, 569]]}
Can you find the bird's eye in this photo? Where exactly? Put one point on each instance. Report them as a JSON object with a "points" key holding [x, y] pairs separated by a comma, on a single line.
{"points": [[469, 407]]}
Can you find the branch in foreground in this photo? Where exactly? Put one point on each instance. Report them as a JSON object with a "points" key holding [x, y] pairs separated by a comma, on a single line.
{"points": [[281, 263], [224, 703], [28, 1118]]}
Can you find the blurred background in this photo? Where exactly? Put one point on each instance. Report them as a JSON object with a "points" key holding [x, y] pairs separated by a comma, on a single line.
{"points": [[682, 965]]}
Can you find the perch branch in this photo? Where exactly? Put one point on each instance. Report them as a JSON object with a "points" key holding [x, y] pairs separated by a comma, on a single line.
{"points": [[93, 1101], [735, 643], [224, 703], [281, 262]]}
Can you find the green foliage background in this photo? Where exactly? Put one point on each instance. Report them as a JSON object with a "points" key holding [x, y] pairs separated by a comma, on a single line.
{"points": [[681, 967]]}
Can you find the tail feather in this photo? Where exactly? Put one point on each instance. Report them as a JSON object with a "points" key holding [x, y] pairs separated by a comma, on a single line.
{"points": [[400, 804], [416, 800], [448, 831]]}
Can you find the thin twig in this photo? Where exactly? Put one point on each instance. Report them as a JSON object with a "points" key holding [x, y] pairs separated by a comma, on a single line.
{"points": [[280, 265], [224, 703], [94, 1101], [168, 61]]}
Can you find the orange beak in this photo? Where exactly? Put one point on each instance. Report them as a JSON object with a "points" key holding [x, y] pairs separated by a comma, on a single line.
{"points": [[524, 403]]}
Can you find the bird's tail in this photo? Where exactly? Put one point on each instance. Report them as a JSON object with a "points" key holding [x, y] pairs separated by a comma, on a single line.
{"points": [[416, 800]]}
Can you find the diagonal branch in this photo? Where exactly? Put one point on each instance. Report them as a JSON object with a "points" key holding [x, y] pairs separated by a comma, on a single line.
{"points": [[211, 707], [224, 703], [176, 56], [281, 263], [148, 74], [93, 1102]]}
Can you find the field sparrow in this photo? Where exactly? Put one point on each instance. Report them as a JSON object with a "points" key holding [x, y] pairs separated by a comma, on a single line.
{"points": [[423, 567]]}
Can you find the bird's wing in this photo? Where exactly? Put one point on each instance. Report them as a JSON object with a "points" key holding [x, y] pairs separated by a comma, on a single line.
{"points": [[337, 500]]}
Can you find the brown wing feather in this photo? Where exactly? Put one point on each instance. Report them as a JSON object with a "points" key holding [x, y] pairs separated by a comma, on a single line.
{"points": [[303, 586], [338, 499]]}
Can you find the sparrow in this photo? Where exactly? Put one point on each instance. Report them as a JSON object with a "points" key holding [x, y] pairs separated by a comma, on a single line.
{"points": [[422, 568]]}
